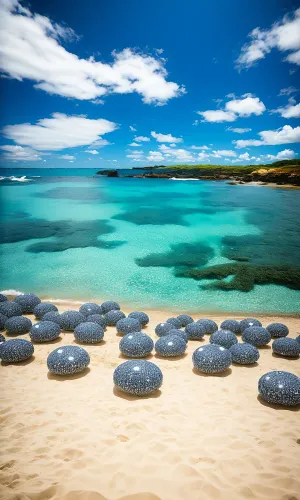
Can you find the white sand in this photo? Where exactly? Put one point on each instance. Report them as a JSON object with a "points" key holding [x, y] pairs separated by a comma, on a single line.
{"points": [[199, 438]]}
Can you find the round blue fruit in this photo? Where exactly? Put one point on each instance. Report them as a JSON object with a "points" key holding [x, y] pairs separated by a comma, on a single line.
{"points": [[41, 309], [195, 330], [52, 316], [248, 322], [175, 322], [89, 333], [68, 360], [128, 325], [110, 305], [244, 354], [180, 333], [282, 388], [112, 317], [3, 320], [163, 329], [142, 317], [27, 301], [44, 331], [256, 335], [138, 377], [231, 324], [278, 330], [286, 347], [211, 358], [70, 319], [97, 318], [225, 338], [184, 319], [136, 345], [18, 325], [10, 309], [16, 350], [170, 346], [209, 325], [90, 308]]}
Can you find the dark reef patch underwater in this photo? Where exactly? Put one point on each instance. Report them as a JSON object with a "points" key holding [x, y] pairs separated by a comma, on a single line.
{"points": [[67, 234], [244, 277], [74, 193], [156, 216], [180, 255]]}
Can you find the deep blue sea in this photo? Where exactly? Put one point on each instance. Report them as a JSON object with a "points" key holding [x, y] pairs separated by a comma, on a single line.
{"points": [[150, 243]]}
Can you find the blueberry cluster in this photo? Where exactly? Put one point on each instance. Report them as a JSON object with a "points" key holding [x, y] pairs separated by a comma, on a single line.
{"points": [[16, 350], [140, 377], [44, 331]]}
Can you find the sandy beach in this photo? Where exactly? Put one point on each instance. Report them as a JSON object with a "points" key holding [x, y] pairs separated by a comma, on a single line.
{"points": [[199, 437]]}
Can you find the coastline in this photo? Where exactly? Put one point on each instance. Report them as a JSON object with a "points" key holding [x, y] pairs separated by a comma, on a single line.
{"points": [[162, 313], [193, 439], [284, 173]]}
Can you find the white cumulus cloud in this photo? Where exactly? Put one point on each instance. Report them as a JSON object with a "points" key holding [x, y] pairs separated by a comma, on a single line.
{"points": [[19, 153], [31, 48], [92, 151], [246, 107], [67, 157], [203, 156], [165, 137], [155, 156], [217, 116], [235, 108], [239, 130], [291, 110], [59, 132], [283, 35], [223, 152], [286, 154], [245, 157], [141, 138], [284, 135], [135, 155]]}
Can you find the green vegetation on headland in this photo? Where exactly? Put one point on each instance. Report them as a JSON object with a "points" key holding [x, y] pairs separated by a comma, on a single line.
{"points": [[279, 172]]}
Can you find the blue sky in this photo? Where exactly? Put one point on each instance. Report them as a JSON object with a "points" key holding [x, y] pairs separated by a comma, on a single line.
{"points": [[79, 77]]}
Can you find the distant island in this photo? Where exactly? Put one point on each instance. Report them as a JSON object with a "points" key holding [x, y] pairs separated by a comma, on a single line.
{"points": [[285, 172]]}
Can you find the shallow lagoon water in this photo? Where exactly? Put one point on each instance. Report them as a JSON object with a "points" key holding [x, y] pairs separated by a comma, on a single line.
{"points": [[101, 232]]}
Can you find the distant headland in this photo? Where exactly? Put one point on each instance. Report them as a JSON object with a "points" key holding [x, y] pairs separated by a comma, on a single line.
{"points": [[285, 172]]}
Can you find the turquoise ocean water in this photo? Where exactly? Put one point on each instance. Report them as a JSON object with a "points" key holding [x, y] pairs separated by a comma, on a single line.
{"points": [[71, 234]]}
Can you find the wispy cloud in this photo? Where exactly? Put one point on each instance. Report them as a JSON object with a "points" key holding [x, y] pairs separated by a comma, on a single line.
{"points": [[18, 153], [67, 157], [141, 138], [288, 91], [238, 130], [91, 151], [291, 110], [283, 35], [165, 137]]}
